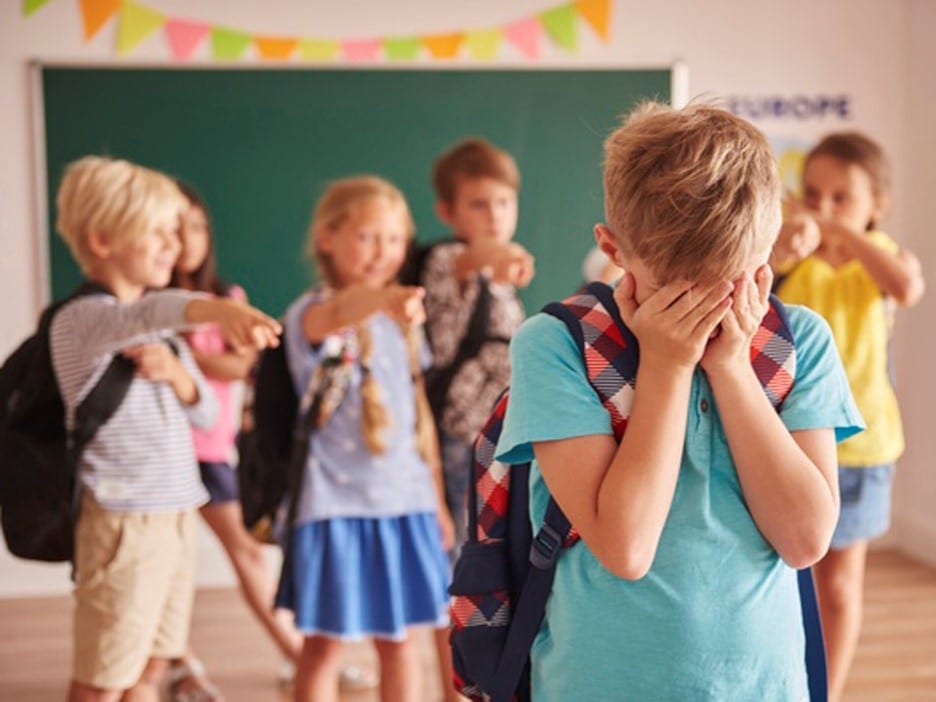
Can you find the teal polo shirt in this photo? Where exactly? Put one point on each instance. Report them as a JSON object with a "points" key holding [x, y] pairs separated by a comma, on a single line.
{"points": [[717, 617]]}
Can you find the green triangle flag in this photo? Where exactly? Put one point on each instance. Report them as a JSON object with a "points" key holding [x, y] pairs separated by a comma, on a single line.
{"points": [[402, 48], [30, 6], [560, 26], [136, 23], [228, 43]]}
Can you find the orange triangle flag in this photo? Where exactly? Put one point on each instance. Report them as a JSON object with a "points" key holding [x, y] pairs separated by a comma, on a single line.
{"points": [[443, 46], [275, 47], [596, 13], [95, 13]]}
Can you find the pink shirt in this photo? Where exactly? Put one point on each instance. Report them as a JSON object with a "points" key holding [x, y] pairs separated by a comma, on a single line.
{"points": [[215, 443]]}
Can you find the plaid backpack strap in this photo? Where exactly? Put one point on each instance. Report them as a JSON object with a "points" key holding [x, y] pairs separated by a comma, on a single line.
{"points": [[608, 348], [773, 353], [489, 500]]}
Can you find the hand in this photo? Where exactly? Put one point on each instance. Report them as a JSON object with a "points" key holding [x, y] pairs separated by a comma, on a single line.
{"points": [[730, 350], [511, 264], [446, 528], [155, 362], [674, 324], [404, 304], [799, 236], [244, 328]]}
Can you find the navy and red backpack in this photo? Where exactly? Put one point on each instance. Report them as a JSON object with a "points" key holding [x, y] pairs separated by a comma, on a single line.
{"points": [[505, 572]]}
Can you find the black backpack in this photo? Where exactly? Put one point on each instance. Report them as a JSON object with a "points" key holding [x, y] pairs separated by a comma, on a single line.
{"points": [[38, 459], [265, 443], [274, 442], [438, 379]]}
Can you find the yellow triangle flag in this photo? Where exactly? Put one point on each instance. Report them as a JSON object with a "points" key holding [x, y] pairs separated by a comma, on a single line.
{"points": [[95, 14], [319, 49], [136, 23], [597, 13], [483, 44], [443, 46], [275, 48]]}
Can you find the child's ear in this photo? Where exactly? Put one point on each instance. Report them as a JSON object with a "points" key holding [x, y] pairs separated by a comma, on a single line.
{"points": [[323, 239], [443, 210], [608, 245], [99, 244]]}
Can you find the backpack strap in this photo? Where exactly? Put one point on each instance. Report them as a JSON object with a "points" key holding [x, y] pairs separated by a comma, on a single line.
{"points": [[327, 388], [531, 603]]}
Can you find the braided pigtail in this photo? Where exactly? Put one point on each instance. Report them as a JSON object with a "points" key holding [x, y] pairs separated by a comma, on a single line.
{"points": [[425, 425], [374, 416]]}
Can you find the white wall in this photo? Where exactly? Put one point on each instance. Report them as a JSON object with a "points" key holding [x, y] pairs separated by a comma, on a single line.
{"points": [[876, 52]]}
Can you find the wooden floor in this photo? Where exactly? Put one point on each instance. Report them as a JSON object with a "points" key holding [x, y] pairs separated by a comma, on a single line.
{"points": [[896, 660]]}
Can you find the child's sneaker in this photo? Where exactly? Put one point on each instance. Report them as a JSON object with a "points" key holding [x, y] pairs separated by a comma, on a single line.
{"points": [[353, 678]]}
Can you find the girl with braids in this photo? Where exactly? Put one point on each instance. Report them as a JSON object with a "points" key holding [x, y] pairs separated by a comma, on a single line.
{"points": [[365, 555]]}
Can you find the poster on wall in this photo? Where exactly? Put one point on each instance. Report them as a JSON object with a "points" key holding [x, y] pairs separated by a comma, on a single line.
{"points": [[793, 123]]}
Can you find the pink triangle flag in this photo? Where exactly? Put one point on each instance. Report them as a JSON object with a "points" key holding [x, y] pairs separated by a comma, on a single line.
{"points": [[525, 35], [361, 49], [184, 37]]}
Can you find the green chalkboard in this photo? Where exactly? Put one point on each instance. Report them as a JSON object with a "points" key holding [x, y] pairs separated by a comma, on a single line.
{"points": [[261, 144]]}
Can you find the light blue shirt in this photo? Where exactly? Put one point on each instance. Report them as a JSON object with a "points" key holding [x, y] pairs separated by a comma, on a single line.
{"points": [[717, 618], [343, 478]]}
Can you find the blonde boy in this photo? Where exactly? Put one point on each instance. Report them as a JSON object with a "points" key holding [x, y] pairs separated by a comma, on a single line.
{"points": [[683, 587], [476, 188], [139, 482]]}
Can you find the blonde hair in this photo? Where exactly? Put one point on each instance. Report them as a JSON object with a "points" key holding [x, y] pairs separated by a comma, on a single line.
{"points": [[693, 193], [338, 202], [112, 197], [471, 159]]}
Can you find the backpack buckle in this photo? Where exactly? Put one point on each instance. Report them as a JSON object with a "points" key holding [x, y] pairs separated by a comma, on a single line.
{"points": [[545, 548]]}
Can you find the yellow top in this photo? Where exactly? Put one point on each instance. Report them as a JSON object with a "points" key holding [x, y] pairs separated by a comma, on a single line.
{"points": [[861, 319]]}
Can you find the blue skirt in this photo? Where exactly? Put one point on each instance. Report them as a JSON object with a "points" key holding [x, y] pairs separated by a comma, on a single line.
{"points": [[351, 578]]}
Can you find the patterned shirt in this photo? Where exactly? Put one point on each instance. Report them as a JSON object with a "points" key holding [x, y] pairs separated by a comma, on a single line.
{"points": [[142, 459], [449, 304]]}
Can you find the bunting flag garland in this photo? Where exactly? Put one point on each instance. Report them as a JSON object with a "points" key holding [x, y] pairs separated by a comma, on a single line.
{"points": [[30, 6], [597, 13], [184, 37], [136, 23], [527, 35], [95, 14]]}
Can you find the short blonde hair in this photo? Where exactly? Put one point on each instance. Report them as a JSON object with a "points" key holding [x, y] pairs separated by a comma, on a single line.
{"points": [[471, 159], [339, 202], [114, 197], [693, 193]]}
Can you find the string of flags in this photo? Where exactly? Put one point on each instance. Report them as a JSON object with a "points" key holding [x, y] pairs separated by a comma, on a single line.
{"points": [[137, 22]]}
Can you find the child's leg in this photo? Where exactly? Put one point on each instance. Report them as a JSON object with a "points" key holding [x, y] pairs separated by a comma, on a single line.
{"points": [[456, 470], [444, 654], [399, 670], [79, 692], [318, 670], [840, 585], [256, 583], [147, 689]]}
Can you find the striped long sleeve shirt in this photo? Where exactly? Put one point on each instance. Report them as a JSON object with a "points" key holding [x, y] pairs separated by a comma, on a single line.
{"points": [[142, 459]]}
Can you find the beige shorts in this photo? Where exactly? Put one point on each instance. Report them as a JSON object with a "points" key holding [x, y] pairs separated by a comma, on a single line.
{"points": [[133, 592]]}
